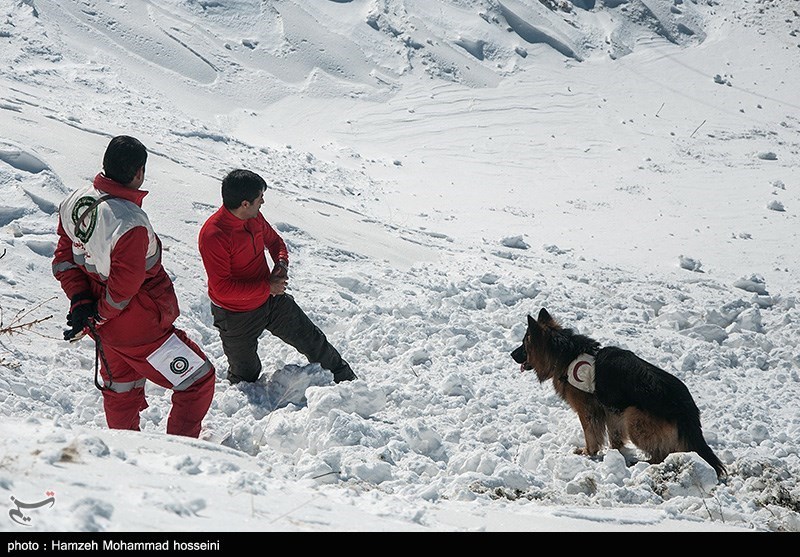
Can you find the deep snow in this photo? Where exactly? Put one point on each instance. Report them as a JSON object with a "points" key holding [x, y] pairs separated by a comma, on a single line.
{"points": [[438, 169]]}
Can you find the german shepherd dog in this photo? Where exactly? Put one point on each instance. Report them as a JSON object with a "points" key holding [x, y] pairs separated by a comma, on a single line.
{"points": [[633, 400]]}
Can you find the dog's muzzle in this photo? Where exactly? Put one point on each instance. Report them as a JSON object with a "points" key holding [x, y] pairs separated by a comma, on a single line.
{"points": [[521, 357], [519, 354]]}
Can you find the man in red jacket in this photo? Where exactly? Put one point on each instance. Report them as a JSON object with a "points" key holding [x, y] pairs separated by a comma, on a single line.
{"points": [[246, 297], [108, 261]]}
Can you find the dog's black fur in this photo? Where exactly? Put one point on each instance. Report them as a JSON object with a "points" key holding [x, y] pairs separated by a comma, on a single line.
{"points": [[633, 400]]}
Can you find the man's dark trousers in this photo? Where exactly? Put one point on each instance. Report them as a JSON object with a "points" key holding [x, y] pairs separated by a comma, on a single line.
{"points": [[281, 316]]}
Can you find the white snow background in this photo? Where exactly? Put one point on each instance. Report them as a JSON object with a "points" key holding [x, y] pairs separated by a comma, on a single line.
{"points": [[439, 169]]}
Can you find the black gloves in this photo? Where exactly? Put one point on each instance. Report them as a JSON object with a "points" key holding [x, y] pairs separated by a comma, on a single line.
{"points": [[82, 310]]}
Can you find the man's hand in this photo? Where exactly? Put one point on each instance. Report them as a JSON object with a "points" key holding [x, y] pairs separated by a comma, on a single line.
{"points": [[279, 278], [281, 269], [82, 310], [277, 285]]}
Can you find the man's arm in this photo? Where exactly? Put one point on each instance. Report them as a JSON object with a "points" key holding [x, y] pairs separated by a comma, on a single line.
{"points": [[72, 278], [128, 271], [274, 244]]}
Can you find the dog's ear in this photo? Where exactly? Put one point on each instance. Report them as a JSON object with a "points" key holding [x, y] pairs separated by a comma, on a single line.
{"points": [[544, 317], [535, 330]]}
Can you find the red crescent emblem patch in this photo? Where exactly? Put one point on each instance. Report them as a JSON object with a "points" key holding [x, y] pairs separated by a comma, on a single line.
{"points": [[576, 368]]}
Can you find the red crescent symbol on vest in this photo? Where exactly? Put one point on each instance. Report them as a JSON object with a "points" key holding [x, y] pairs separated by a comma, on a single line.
{"points": [[575, 370]]}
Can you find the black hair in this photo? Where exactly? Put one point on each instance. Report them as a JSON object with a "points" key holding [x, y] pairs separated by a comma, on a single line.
{"points": [[124, 157], [241, 185]]}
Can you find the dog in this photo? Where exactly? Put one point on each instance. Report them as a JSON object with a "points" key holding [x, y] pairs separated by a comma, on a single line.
{"points": [[622, 395]]}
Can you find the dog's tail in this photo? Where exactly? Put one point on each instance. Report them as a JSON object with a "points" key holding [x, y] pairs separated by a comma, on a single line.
{"points": [[693, 435]]}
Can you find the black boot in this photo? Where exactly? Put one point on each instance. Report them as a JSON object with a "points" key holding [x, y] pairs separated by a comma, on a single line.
{"points": [[344, 373]]}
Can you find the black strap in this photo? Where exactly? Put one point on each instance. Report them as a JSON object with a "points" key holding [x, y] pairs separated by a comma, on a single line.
{"points": [[98, 348], [91, 208], [98, 355]]}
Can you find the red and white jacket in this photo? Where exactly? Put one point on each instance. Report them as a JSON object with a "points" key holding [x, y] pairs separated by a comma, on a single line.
{"points": [[114, 254], [233, 254]]}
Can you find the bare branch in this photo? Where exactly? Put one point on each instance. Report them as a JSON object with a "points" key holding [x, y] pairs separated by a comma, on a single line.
{"points": [[11, 329], [18, 325], [697, 128]]}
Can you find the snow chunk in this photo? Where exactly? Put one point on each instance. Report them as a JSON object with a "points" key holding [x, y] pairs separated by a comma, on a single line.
{"points": [[353, 397], [515, 242], [748, 320], [689, 263], [707, 332], [682, 475], [753, 283], [457, 385]]}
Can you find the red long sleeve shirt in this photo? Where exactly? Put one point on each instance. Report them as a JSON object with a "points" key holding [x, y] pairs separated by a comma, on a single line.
{"points": [[233, 253]]}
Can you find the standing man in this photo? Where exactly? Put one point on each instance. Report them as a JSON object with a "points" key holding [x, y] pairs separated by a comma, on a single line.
{"points": [[108, 261], [246, 297]]}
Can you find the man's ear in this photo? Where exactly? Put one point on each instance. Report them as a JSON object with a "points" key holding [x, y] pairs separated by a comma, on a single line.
{"points": [[138, 178], [140, 172]]}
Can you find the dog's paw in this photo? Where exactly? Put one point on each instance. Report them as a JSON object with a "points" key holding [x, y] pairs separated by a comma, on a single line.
{"points": [[583, 451]]}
